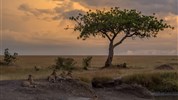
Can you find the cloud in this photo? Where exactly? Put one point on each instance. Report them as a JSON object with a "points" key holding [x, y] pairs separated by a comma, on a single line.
{"points": [[58, 0], [67, 14], [50, 43], [57, 13], [150, 52], [148, 6], [34, 11]]}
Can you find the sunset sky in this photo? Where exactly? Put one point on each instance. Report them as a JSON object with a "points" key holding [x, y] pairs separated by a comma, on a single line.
{"points": [[36, 27]]}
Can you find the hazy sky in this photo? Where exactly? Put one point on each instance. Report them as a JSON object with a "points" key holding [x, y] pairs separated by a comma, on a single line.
{"points": [[36, 27]]}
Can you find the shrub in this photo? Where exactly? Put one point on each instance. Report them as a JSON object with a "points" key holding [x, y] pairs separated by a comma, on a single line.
{"points": [[65, 63], [8, 58], [124, 65], [157, 82], [37, 68], [87, 62]]}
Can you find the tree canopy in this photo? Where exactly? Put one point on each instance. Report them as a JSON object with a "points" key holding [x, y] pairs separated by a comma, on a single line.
{"points": [[109, 23]]}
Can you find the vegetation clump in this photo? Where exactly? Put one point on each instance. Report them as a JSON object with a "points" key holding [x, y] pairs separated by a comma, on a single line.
{"points": [[65, 63], [124, 65], [87, 62], [156, 82], [8, 58], [165, 67]]}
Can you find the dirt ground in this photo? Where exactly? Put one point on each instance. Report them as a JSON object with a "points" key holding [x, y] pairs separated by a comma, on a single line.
{"points": [[66, 90]]}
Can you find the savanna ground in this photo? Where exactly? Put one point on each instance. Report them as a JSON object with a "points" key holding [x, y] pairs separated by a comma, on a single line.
{"points": [[136, 65]]}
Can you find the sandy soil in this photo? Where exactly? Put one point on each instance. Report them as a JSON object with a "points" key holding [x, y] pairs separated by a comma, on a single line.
{"points": [[65, 90]]}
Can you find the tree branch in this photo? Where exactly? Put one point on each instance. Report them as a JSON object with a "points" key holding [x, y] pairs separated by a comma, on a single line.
{"points": [[106, 35], [130, 35], [120, 41], [114, 37]]}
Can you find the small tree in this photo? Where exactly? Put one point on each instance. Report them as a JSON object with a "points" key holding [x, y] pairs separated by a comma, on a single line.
{"points": [[87, 62], [8, 58], [117, 25]]}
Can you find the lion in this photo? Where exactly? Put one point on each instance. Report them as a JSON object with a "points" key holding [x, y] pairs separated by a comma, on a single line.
{"points": [[63, 74], [69, 74], [53, 77], [29, 82]]}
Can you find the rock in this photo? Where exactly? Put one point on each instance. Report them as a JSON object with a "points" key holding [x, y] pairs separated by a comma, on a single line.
{"points": [[136, 90], [165, 67]]}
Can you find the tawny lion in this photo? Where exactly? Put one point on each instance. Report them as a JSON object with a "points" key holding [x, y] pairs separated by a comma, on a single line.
{"points": [[53, 76], [29, 82]]}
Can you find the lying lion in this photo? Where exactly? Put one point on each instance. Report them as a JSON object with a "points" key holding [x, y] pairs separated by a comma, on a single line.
{"points": [[29, 82], [54, 77], [69, 74]]}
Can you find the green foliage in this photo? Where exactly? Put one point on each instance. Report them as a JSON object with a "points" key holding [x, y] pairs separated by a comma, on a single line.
{"points": [[110, 23], [87, 62], [158, 82], [8, 58], [65, 63]]}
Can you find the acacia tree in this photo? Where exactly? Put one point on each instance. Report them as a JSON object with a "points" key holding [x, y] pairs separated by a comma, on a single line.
{"points": [[117, 25]]}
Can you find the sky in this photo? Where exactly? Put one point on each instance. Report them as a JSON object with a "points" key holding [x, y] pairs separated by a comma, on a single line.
{"points": [[36, 27]]}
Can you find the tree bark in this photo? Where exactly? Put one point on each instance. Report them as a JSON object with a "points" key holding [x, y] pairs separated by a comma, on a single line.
{"points": [[108, 62]]}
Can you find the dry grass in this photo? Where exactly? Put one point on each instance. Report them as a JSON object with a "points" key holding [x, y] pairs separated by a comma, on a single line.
{"points": [[157, 82], [137, 64]]}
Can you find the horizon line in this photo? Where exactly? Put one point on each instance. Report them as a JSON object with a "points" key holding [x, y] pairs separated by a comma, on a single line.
{"points": [[90, 55]]}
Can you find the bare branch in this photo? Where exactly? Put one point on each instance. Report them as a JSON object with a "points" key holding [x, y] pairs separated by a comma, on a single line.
{"points": [[105, 33], [114, 37], [130, 35], [118, 43], [107, 36]]}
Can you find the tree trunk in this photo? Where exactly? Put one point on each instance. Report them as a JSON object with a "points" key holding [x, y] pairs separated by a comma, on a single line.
{"points": [[108, 62]]}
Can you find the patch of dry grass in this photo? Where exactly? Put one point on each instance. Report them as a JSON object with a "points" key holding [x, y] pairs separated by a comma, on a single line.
{"points": [[155, 81]]}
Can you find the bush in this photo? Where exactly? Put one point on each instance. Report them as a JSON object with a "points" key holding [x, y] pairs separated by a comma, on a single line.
{"points": [[157, 82], [65, 63], [124, 65], [8, 58], [87, 62]]}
